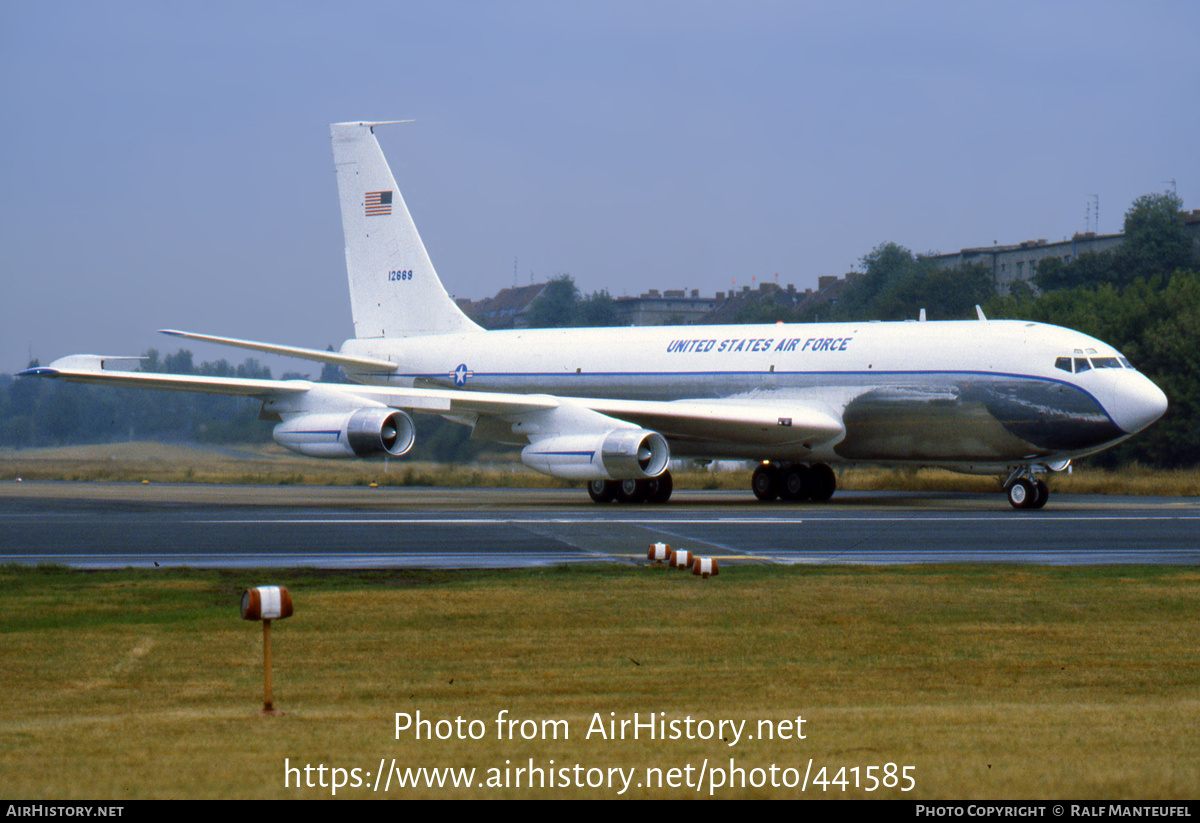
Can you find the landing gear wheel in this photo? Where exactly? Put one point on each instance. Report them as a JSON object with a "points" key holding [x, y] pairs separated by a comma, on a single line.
{"points": [[632, 491], [602, 491], [824, 482], [1025, 494], [658, 489], [797, 484], [1043, 493], [765, 482]]}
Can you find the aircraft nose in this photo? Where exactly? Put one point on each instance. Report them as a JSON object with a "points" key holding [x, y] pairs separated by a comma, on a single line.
{"points": [[1137, 402]]}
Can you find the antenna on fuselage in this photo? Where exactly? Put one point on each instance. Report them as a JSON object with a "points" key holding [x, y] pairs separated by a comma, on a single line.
{"points": [[979, 313]]}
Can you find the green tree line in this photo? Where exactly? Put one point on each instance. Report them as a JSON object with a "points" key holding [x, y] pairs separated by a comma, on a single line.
{"points": [[40, 412], [560, 305]]}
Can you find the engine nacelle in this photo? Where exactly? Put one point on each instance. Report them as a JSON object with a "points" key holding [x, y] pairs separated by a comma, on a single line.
{"points": [[362, 433], [621, 454]]}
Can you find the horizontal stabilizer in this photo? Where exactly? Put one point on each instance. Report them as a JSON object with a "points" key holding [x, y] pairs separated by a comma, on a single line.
{"points": [[348, 361], [87, 368]]}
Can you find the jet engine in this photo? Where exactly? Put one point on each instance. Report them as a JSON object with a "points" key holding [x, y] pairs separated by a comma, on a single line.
{"points": [[362, 433], [621, 454]]}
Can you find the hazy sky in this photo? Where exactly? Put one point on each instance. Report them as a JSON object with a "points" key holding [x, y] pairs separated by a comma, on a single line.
{"points": [[169, 165]]}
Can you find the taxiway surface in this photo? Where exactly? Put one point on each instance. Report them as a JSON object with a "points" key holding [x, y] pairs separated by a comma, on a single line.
{"points": [[113, 525]]}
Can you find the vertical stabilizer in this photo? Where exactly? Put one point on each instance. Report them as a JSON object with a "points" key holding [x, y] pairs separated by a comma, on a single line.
{"points": [[394, 290]]}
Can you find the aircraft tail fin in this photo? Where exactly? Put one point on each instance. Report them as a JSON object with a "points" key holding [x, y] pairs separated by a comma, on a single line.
{"points": [[394, 289]]}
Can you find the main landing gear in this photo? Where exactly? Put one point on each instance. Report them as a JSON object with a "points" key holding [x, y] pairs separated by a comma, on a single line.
{"points": [[654, 490], [1027, 492], [793, 482]]}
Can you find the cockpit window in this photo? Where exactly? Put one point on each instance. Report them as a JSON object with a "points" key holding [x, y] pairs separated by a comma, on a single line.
{"points": [[1082, 364]]}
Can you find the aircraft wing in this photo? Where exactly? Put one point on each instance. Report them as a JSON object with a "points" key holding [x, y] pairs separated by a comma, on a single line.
{"points": [[89, 368], [773, 423]]}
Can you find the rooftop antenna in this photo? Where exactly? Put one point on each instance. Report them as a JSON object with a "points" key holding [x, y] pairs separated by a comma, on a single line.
{"points": [[1092, 222], [1172, 182]]}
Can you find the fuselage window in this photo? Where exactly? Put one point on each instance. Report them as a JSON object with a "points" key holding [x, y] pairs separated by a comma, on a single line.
{"points": [[1063, 363], [1081, 364]]}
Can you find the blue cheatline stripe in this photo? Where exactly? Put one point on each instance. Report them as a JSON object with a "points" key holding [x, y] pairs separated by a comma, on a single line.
{"points": [[751, 373], [485, 376]]}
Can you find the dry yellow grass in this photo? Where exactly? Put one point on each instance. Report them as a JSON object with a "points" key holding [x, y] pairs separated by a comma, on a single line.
{"points": [[989, 682], [267, 465], [273, 465]]}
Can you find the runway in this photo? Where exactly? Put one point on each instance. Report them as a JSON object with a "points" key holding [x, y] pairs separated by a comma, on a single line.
{"points": [[111, 525]]}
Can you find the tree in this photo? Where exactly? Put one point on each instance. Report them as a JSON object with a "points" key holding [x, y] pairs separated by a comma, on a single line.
{"points": [[1051, 274], [947, 294], [1022, 290], [555, 306], [331, 373], [179, 363], [598, 309], [766, 309], [1156, 244], [559, 305], [1156, 237], [896, 285], [887, 265]]}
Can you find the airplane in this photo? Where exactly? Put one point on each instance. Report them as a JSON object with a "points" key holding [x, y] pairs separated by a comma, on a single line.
{"points": [[613, 406]]}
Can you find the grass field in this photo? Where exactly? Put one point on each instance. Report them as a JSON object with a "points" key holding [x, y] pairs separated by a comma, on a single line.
{"points": [[988, 682], [273, 465]]}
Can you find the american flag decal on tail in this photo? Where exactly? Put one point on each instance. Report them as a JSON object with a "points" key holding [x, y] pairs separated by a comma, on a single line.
{"points": [[378, 202]]}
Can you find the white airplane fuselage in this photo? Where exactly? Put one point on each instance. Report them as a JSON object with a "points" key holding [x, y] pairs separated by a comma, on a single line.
{"points": [[942, 393]]}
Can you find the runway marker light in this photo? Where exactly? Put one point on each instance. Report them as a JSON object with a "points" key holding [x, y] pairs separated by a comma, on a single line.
{"points": [[705, 566], [267, 603], [659, 552], [681, 559]]}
